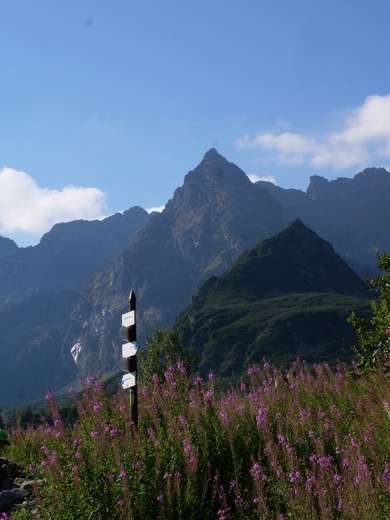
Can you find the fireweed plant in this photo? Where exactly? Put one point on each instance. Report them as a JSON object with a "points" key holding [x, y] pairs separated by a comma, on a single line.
{"points": [[306, 443]]}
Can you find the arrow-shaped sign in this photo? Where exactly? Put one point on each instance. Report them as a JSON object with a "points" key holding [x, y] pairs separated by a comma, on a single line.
{"points": [[128, 380], [129, 349]]}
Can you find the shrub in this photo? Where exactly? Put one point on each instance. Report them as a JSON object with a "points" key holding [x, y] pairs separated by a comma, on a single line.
{"points": [[164, 348], [373, 349]]}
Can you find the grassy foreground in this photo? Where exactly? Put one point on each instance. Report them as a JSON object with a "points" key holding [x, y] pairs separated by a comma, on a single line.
{"points": [[307, 443]]}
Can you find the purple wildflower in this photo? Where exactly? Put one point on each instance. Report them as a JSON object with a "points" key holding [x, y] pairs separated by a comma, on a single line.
{"points": [[224, 416], [261, 417], [49, 397], [183, 421], [186, 445], [181, 367], [294, 477], [257, 473]]}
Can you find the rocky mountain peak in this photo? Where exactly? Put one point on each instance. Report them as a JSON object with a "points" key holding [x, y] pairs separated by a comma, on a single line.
{"points": [[371, 179], [7, 246], [218, 195], [373, 172], [216, 170], [317, 186], [296, 260], [298, 233], [212, 155]]}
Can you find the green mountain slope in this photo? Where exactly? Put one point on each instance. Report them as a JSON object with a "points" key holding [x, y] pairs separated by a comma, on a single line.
{"points": [[288, 296]]}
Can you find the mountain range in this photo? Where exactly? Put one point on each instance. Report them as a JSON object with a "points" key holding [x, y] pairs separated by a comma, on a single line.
{"points": [[61, 301]]}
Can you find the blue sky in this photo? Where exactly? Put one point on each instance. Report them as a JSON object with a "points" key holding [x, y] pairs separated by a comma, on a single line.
{"points": [[106, 105]]}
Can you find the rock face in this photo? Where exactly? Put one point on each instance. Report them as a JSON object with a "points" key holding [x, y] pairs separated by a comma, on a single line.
{"points": [[212, 218], [66, 256], [7, 246], [295, 277], [352, 214], [32, 333], [39, 286]]}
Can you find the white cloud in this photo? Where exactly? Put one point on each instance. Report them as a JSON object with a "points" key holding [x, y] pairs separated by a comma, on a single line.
{"points": [[155, 208], [268, 178], [364, 138], [27, 208]]}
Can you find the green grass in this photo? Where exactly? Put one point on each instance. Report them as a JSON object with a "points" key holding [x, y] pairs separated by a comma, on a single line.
{"points": [[311, 325]]}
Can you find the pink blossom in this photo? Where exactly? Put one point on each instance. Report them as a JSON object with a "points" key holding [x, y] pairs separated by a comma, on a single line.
{"points": [[261, 417], [49, 397], [181, 367], [294, 477]]}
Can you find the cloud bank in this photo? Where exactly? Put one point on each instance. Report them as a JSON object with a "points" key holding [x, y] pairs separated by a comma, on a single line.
{"points": [[159, 209], [254, 178], [27, 208], [364, 138]]}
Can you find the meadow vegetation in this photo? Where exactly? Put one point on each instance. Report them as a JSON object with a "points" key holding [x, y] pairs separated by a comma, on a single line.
{"points": [[310, 442]]}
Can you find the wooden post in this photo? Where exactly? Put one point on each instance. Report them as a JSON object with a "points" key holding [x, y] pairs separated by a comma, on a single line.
{"points": [[129, 357]]}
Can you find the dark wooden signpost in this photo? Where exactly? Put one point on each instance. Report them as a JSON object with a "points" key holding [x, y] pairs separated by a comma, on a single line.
{"points": [[129, 357]]}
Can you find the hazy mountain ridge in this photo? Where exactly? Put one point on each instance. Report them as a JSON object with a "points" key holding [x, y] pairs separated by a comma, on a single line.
{"points": [[66, 256], [32, 333], [352, 214]]}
